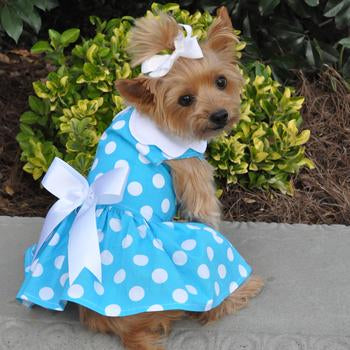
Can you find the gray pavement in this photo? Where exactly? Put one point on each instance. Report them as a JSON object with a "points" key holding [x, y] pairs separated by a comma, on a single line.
{"points": [[305, 304]]}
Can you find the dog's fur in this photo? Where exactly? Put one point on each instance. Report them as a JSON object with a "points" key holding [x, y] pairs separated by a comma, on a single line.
{"points": [[192, 177]]}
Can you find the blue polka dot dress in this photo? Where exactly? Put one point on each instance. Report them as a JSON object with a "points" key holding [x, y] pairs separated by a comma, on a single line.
{"points": [[149, 262]]}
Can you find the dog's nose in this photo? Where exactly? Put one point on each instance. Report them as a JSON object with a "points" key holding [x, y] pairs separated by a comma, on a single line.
{"points": [[219, 117]]}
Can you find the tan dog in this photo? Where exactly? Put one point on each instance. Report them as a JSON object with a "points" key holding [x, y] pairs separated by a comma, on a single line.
{"points": [[197, 99]]}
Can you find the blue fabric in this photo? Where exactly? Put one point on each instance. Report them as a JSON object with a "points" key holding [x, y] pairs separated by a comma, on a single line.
{"points": [[149, 262]]}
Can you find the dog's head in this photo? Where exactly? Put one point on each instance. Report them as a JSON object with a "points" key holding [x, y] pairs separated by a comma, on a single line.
{"points": [[197, 98]]}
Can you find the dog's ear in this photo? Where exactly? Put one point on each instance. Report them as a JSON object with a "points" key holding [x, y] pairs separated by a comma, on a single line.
{"points": [[221, 37], [139, 92]]}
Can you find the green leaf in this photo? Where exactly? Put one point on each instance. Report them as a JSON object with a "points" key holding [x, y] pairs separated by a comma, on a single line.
{"points": [[55, 38], [70, 36], [345, 42], [335, 10], [41, 46], [36, 105], [266, 7], [312, 3], [29, 118], [11, 22]]}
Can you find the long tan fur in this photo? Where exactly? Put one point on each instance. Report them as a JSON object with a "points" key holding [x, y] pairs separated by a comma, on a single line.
{"points": [[151, 35]]}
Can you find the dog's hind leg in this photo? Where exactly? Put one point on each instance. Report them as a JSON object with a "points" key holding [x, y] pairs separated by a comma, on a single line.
{"points": [[143, 331], [236, 301]]}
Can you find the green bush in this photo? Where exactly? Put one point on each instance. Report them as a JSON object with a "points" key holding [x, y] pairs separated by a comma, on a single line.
{"points": [[14, 12], [264, 149], [78, 100]]}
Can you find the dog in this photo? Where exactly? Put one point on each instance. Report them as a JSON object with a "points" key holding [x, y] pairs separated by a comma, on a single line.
{"points": [[196, 100]]}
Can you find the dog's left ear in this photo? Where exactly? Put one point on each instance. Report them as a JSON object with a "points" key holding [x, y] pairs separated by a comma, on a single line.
{"points": [[139, 92], [221, 37]]}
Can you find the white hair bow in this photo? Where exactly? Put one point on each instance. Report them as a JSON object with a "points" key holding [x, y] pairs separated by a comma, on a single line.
{"points": [[188, 47], [73, 192]]}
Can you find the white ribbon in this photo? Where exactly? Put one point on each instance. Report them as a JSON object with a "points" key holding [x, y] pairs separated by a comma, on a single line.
{"points": [[188, 47], [73, 191]]}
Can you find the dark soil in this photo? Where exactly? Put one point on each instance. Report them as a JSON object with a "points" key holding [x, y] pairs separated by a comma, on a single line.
{"points": [[322, 195]]}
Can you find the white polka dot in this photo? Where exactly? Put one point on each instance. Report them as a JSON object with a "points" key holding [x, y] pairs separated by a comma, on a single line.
{"points": [[98, 288], [63, 279], [106, 257], [165, 205], [203, 271], [218, 239], [180, 295], [103, 136], [23, 297], [230, 255], [193, 227], [159, 276], [94, 164], [119, 276], [136, 293], [112, 310], [99, 212], [210, 253], [158, 181], [110, 147], [147, 212], [209, 229], [189, 244], [127, 241], [169, 224], [54, 240], [46, 293], [59, 261], [129, 213], [222, 271], [155, 307], [242, 271], [143, 149], [217, 288], [142, 229], [233, 286], [209, 305], [115, 224], [100, 235], [158, 243], [143, 159], [36, 269], [121, 164], [135, 188], [140, 260], [98, 176], [180, 258], [75, 291], [191, 289], [118, 124]]}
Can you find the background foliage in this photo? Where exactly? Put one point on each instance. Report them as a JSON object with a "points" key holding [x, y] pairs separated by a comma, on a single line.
{"points": [[14, 12], [78, 100], [289, 35]]}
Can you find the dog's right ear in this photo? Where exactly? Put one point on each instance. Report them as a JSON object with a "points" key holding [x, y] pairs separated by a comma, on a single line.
{"points": [[139, 92]]}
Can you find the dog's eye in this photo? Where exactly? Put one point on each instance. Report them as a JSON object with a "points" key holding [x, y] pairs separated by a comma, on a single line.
{"points": [[186, 100], [221, 82]]}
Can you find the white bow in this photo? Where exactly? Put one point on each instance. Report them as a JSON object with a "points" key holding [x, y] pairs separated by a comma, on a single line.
{"points": [[73, 191], [160, 65]]}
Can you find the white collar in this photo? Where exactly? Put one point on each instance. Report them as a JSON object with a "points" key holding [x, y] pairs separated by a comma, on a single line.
{"points": [[146, 132]]}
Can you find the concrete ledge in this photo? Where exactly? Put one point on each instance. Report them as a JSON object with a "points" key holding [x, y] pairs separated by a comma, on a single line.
{"points": [[305, 304]]}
